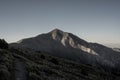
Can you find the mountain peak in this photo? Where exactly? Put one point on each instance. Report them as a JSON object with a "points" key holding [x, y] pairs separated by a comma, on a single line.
{"points": [[57, 31]]}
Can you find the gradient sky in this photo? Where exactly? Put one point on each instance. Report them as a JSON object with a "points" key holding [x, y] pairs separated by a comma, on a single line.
{"points": [[92, 20]]}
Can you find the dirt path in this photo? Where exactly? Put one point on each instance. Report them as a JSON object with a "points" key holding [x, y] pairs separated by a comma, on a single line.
{"points": [[20, 71]]}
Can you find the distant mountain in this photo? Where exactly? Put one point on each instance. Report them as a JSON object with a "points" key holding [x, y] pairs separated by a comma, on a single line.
{"points": [[66, 45], [113, 45], [116, 49]]}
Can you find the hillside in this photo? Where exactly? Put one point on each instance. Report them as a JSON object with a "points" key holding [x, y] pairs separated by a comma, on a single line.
{"points": [[22, 65]]}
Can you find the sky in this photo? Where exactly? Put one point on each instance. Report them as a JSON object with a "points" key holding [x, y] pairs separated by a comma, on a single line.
{"points": [[91, 20]]}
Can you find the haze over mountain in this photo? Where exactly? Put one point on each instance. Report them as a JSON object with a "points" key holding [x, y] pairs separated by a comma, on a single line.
{"points": [[113, 45], [66, 45]]}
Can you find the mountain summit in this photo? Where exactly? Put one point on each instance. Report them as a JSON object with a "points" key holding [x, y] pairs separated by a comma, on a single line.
{"points": [[66, 45], [70, 40]]}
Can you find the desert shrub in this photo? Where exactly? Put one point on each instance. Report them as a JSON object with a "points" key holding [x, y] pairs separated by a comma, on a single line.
{"points": [[55, 61], [42, 56], [38, 51], [33, 76], [3, 44], [84, 72], [4, 74], [6, 65]]}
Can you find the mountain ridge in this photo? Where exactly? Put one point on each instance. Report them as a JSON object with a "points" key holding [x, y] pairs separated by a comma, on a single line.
{"points": [[67, 45]]}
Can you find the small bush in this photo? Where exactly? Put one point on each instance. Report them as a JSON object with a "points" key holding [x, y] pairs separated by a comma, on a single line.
{"points": [[55, 61], [84, 72], [4, 74], [33, 76], [42, 56], [3, 44]]}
